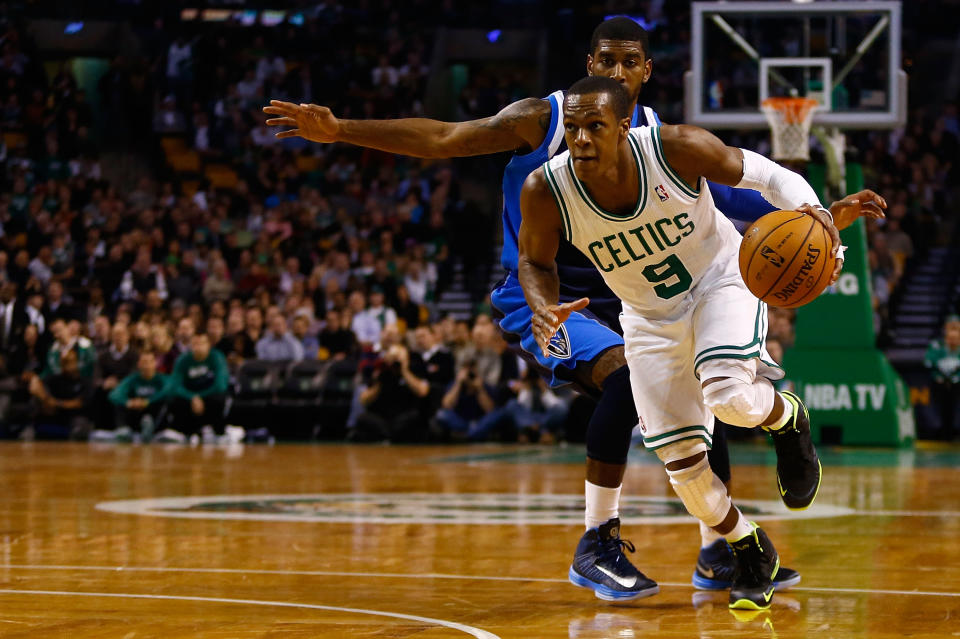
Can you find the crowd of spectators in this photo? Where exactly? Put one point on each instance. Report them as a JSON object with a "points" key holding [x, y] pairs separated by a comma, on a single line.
{"points": [[131, 309]]}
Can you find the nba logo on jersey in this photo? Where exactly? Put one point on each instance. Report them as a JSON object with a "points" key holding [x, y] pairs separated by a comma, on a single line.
{"points": [[662, 193], [643, 426]]}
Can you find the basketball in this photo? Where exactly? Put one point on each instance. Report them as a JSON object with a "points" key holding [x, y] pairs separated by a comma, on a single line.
{"points": [[786, 259]]}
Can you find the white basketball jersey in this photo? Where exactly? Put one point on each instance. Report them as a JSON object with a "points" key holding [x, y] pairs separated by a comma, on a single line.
{"points": [[651, 256]]}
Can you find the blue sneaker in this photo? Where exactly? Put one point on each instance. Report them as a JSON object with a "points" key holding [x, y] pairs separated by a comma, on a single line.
{"points": [[716, 564], [599, 564]]}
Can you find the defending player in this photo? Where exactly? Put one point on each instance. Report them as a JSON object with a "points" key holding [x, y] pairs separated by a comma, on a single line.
{"points": [[589, 353], [634, 202]]}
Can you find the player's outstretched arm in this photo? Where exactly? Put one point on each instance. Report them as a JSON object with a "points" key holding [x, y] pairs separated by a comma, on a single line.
{"points": [[694, 152], [539, 241], [521, 125], [747, 205]]}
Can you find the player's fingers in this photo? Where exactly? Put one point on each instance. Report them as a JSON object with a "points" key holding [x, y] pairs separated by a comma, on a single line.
{"points": [[271, 110], [873, 210], [542, 340], [547, 316], [836, 270], [281, 122], [279, 107], [576, 305], [292, 133]]}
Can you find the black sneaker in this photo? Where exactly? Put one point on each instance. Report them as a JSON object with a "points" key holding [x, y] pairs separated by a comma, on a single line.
{"points": [[798, 467], [757, 566], [599, 564], [716, 565]]}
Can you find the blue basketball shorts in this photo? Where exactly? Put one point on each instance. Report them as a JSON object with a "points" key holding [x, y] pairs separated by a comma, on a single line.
{"points": [[580, 339]]}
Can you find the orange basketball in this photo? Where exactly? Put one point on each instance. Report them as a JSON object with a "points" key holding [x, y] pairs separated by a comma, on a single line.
{"points": [[785, 259]]}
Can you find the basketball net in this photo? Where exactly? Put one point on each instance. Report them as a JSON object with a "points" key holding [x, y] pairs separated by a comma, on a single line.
{"points": [[790, 120]]}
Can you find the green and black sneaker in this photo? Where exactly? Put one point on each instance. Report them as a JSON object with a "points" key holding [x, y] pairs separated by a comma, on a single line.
{"points": [[798, 467], [757, 566]]}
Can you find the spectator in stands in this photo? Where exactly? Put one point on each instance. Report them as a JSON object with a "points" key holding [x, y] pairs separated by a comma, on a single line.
{"points": [[101, 334], [141, 278], [114, 363], [118, 360], [67, 337], [140, 399], [336, 339], [468, 412], [302, 333], [391, 400], [406, 309], [538, 412], [62, 401], [436, 357], [182, 339], [943, 360], [161, 343], [364, 326], [58, 304], [219, 286], [19, 364], [198, 390], [278, 343], [13, 317], [215, 330]]}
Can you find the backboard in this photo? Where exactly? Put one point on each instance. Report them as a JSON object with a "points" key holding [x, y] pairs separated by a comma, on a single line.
{"points": [[844, 54]]}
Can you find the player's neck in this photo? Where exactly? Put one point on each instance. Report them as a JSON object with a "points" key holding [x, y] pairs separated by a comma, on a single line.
{"points": [[616, 188]]}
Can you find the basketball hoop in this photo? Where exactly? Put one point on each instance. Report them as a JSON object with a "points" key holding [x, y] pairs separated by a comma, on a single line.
{"points": [[790, 120]]}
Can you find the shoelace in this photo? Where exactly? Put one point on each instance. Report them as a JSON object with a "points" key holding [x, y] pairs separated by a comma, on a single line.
{"points": [[615, 546]]}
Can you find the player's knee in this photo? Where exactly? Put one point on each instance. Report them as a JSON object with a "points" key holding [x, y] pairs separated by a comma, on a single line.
{"points": [[610, 427], [700, 490], [734, 394]]}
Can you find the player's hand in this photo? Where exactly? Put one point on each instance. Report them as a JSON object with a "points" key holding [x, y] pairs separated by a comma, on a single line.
{"points": [[865, 203], [546, 321], [309, 121], [196, 404], [820, 216]]}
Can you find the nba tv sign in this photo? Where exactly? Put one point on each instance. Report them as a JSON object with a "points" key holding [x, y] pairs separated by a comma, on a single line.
{"points": [[844, 396]]}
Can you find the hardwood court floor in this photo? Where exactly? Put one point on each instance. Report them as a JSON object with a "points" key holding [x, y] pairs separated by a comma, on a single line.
{"points": [[343, 541]]}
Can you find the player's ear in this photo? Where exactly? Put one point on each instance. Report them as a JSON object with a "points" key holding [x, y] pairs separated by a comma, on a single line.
{"points": [[647, 70], [624, 128], [589, 64]]}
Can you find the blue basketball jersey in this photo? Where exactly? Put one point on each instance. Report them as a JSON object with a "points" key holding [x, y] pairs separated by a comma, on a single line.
{"points": [[520, 166]]}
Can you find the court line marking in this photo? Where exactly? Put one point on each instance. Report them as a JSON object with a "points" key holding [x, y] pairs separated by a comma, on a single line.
{"points": [[470, 630], [440, 508], [434, 575]]}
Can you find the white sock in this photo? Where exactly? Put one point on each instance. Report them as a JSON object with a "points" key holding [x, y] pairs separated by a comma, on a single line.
{"points": [[603, 504], [741, 530], [787, 414], [708, 535]]}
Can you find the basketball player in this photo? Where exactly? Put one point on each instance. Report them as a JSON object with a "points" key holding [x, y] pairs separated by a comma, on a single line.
{"points": [[634, 202], [589, 353]]}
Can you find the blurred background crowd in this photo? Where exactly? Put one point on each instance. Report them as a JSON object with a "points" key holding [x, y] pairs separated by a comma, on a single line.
{"points": [[168, 269]]}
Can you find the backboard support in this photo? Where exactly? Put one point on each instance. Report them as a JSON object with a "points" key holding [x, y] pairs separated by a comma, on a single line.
{"points": [[844, 54]]}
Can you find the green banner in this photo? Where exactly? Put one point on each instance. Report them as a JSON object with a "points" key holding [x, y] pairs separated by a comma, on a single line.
{"points": [[853, 394]]}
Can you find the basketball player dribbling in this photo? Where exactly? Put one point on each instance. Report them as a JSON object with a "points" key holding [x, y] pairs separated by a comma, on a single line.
{"points": [[635, 203], [590, 352]]}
